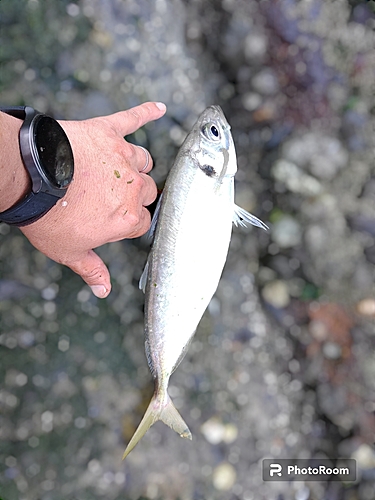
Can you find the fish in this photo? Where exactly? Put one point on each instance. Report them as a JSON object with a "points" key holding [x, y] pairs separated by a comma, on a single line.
{"points": [[191, 230]]}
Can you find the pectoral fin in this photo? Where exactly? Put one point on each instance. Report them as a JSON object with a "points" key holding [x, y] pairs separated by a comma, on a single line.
{"points": [[143, 278], [149, 236], [243, 218]]}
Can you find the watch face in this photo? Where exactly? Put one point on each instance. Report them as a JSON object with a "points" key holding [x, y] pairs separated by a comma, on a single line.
{"points": [[54, 151]]}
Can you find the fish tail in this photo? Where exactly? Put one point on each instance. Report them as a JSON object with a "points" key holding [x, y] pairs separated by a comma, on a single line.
{"points": [[160, 408], [173, 419]]}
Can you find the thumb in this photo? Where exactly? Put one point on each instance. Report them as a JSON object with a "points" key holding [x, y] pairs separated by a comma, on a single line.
{"points": [[94, 272]]}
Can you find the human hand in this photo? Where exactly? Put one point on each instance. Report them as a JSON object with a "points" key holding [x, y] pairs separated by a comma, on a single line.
{"points": [[107, 198]]}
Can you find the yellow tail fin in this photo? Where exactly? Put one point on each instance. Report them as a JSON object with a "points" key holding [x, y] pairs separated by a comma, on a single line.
{"points": [[160, 408]]}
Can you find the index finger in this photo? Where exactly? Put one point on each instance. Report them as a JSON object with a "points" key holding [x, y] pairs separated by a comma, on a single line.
{"points": [[127, 122]]}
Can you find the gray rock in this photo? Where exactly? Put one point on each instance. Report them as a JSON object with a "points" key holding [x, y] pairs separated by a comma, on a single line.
{"points": [[265, 82], [286, 232], [323, 156], [295, 179]]}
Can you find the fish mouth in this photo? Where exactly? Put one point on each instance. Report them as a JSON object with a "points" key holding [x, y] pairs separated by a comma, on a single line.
{"points": [[218, 115], [217, 108], [217, 111]]}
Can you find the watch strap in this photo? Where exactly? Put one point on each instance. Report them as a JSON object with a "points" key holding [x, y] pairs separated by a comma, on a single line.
{"points": [[35, 206], [16, 111]]}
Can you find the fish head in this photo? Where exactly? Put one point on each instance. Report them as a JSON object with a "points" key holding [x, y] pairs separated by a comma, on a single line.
{"points": [[210, 143]]}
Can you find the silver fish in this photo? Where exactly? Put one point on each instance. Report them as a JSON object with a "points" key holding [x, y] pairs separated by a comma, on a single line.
{"points": [[192, 228]]}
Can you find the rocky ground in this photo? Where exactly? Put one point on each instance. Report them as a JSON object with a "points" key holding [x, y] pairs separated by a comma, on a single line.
{"points": [[283, 362]]}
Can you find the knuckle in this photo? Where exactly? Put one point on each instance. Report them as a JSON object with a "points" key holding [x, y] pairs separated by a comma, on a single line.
{"points": [[134, 220], [124, 152], [140, 222], [137, 114], [138, 183], [93, 274]]}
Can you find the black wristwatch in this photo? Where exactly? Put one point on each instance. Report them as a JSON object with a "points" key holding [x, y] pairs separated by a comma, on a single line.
{"points": [[48, 158]]}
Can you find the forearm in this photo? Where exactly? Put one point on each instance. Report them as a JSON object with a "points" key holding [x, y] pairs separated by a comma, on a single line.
{"points": [[14, 179]]}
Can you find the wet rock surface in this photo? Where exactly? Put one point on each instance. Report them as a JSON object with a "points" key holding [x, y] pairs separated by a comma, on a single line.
{"points": [[283, 361]]}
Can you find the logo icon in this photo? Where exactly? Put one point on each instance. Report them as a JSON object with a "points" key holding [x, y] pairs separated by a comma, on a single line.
{"points": [[309, 469], [275, 469]]}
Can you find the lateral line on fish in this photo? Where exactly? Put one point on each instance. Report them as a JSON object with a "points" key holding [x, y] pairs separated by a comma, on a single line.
{"points": [[151, 234]]}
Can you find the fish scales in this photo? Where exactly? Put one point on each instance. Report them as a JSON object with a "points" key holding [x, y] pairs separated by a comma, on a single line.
{"points": [[189, 253], [192, 226]]}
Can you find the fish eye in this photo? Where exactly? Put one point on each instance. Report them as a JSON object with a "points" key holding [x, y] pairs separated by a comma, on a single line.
{"points": [[214, 131], [210, 131]]}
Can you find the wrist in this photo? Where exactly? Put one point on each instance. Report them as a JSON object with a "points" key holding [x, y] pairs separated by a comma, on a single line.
{"points": [[15, 181], [47, 157]]}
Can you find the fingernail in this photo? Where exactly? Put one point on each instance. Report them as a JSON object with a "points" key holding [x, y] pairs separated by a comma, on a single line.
{"points": [[99, 291], [161, 106]]}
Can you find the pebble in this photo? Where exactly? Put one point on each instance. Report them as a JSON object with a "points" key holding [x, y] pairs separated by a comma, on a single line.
{"points": [[366, 307], [14, 378], [251, 101], [295, 179], [318, 329], [322, 155], [230, 434], [303, 493], [224, 476], [215, 431], [276, 293], [316, 238], [265, 82], [331, 350], [255, 47], [286, 232], [64, 387], [365, 456]]}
